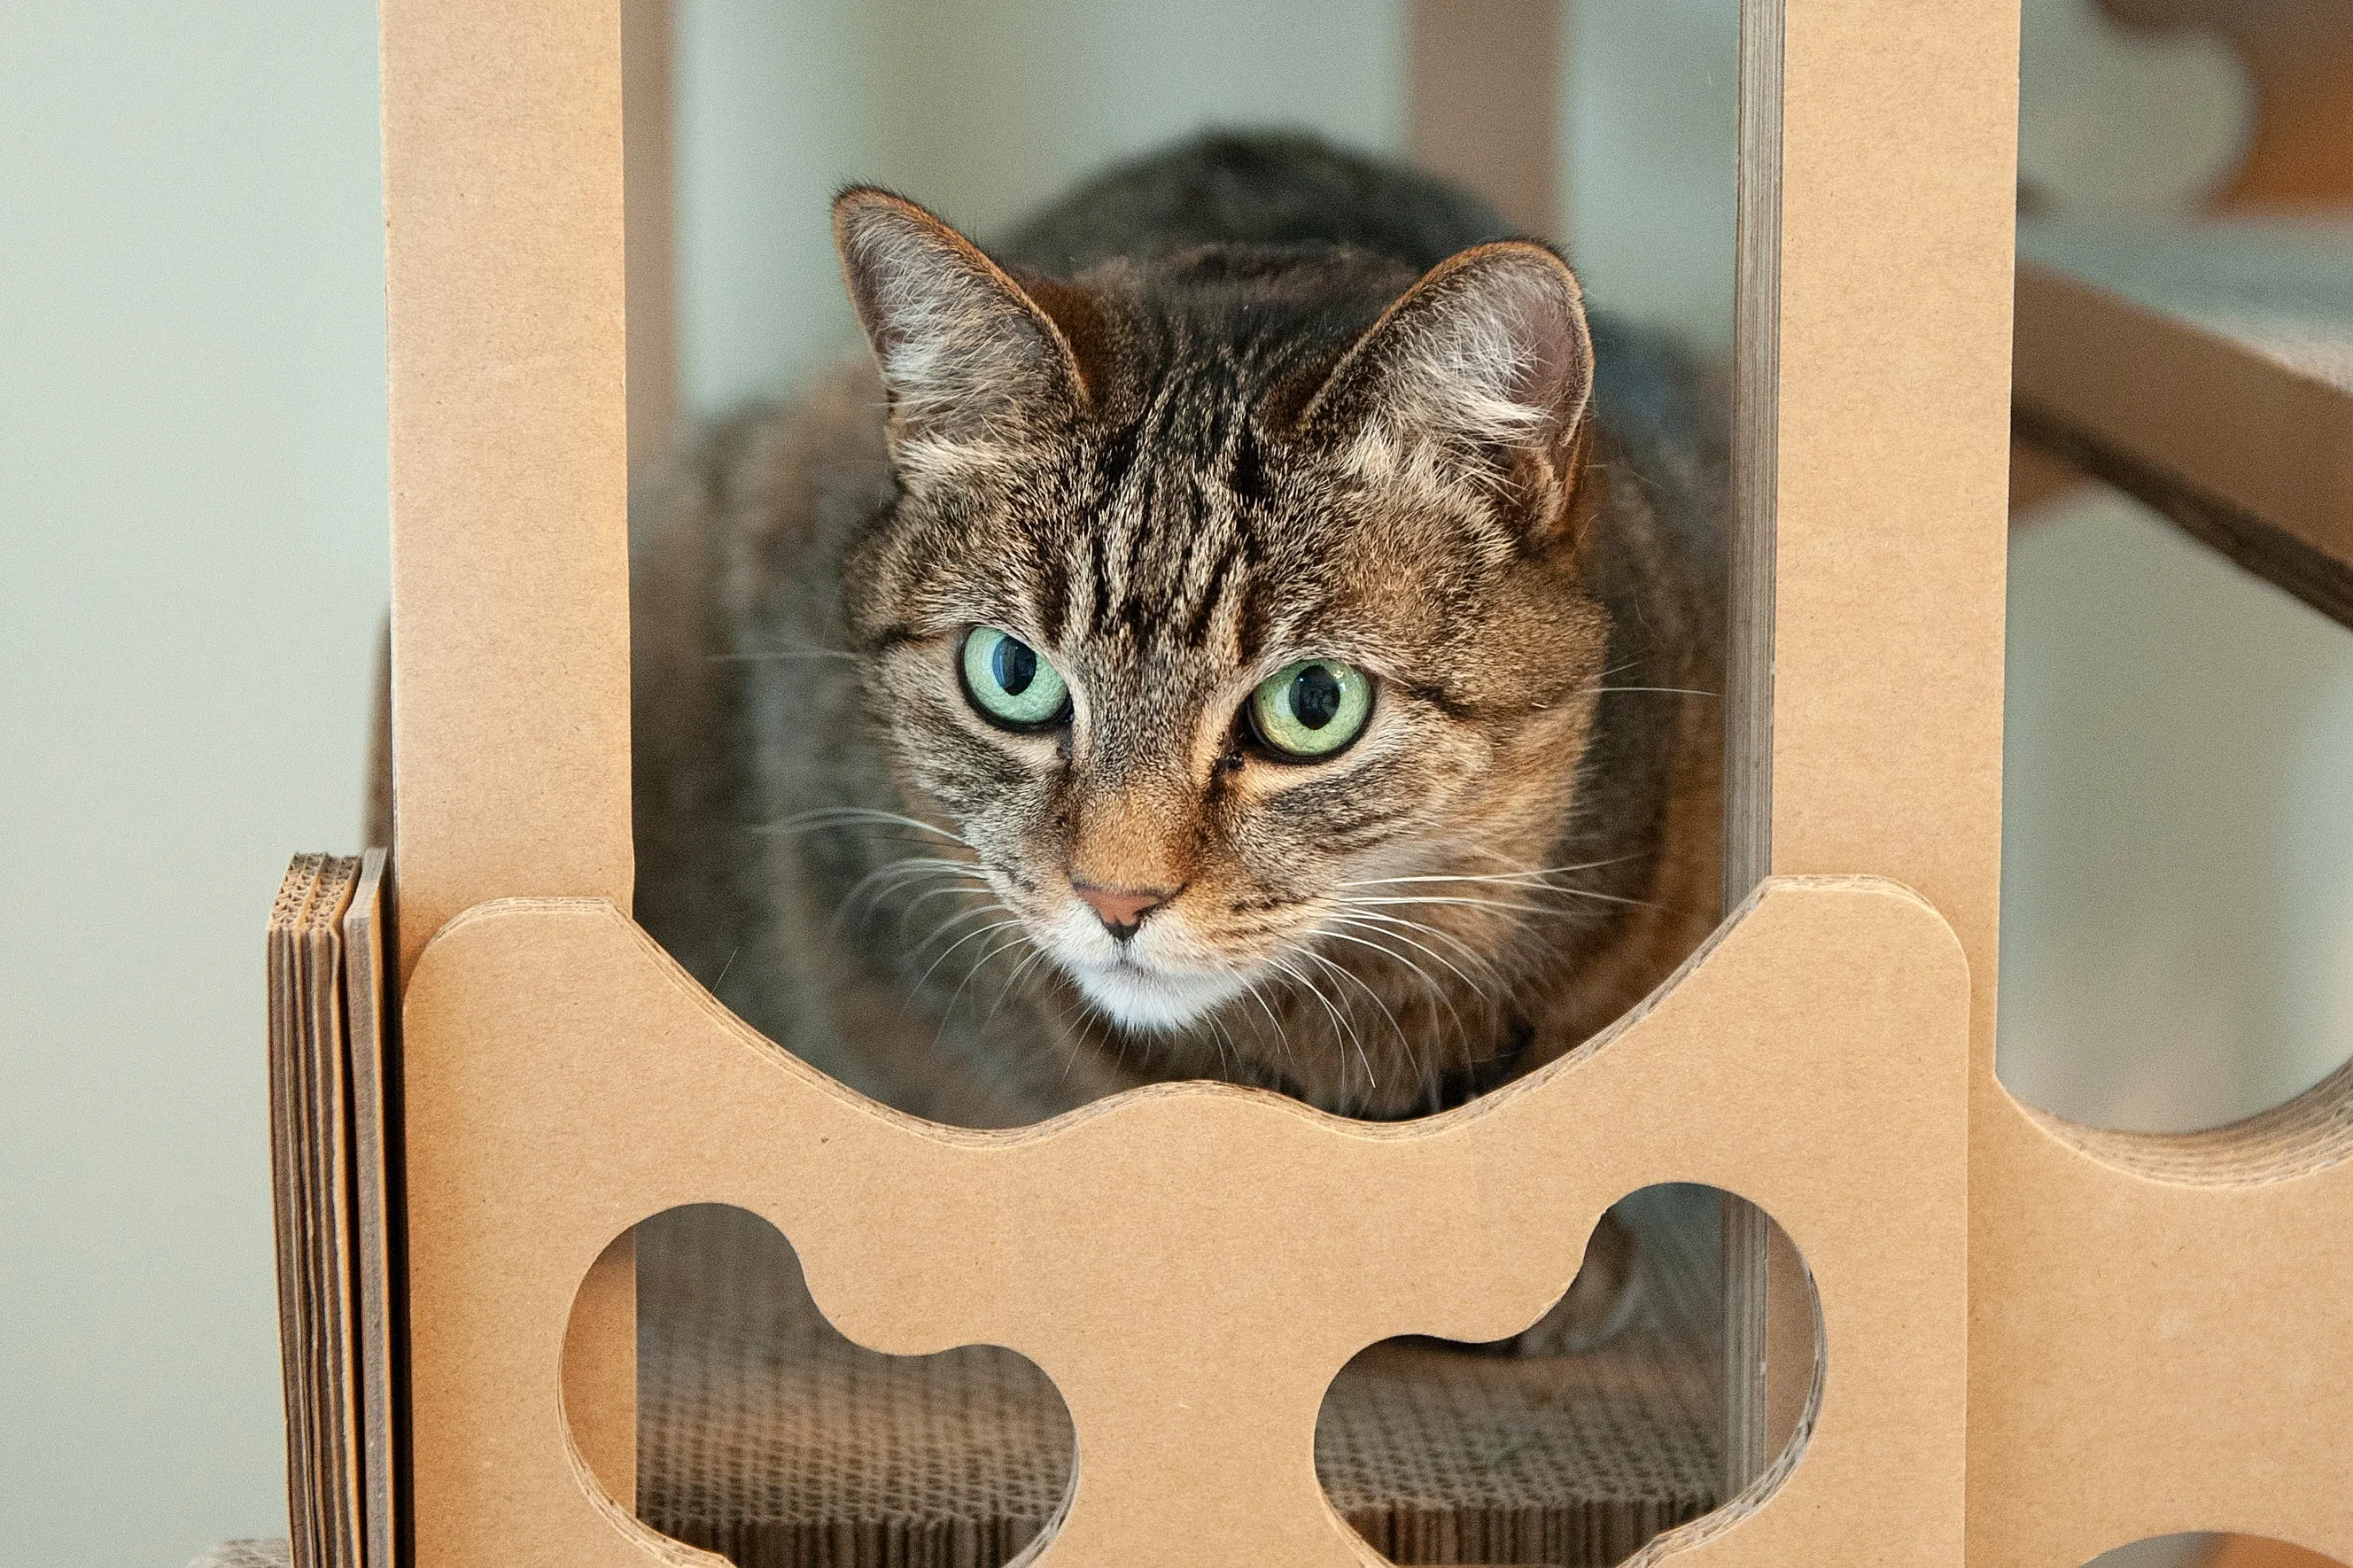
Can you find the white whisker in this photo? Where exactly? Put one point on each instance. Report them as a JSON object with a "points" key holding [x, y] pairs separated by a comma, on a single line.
{"points": [[1395, 1028], [1516, 908], [950, 950], [987, 955], [950, 924], [1533, 875], [826, 816], [1342, 1031], [1006, 990], [1427, 980], [907, 868], [1398, 930]]}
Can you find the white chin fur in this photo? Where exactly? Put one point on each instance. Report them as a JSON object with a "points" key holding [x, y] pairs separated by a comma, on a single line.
{"points": [[1151, 1000]]}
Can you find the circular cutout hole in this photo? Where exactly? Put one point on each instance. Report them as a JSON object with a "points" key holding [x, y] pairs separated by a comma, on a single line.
{"points": [[767, 1435]]}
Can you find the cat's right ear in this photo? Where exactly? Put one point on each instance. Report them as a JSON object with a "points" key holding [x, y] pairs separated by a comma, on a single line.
{"points": [[965, 354], [1483, 368]]}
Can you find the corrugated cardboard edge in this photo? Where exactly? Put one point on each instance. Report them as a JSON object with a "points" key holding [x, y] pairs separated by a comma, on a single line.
{"points": [[375, 1196], [286, 1200]]}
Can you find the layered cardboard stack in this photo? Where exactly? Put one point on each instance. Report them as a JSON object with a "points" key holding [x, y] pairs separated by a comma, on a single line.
{"points": [[330, 1121]]}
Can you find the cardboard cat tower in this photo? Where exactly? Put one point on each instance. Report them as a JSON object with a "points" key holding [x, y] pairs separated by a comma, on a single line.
{"points": [[2038, 1341]]}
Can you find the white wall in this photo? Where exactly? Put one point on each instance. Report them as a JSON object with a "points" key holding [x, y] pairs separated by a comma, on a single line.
{"points": [[2178, 849], [192, 561], [980, 108]]}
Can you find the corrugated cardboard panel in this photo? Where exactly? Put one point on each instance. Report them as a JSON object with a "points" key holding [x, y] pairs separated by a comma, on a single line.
{"points": [[289, 1198], [1812, 1057], [375, 1196]]}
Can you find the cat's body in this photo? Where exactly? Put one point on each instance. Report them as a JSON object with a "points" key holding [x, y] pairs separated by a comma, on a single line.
{"points": [[1178, 487]]}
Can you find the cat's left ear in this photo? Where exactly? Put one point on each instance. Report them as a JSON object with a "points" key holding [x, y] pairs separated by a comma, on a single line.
{"points": [[965, 354], [1485, 365]]}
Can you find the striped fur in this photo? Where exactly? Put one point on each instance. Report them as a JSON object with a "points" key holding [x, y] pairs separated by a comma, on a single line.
{"points": [[1246, 400]]}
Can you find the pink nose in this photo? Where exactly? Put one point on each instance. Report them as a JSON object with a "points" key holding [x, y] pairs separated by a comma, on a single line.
{"points": [[1122, 908]]}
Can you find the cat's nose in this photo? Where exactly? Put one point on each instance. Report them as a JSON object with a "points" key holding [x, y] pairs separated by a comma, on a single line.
{"points": [[1122, 909]]}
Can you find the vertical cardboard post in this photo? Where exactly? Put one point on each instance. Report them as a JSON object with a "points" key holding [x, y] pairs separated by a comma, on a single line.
{"points": [[1887, 411], [510, 500], [510, 607], [1878, 178]]}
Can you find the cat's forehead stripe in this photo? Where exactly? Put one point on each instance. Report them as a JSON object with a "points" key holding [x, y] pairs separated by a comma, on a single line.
{"points": [[1167, 546]]}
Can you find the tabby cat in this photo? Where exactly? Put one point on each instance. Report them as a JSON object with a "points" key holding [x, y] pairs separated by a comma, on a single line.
{"points": [[1247, 624]]}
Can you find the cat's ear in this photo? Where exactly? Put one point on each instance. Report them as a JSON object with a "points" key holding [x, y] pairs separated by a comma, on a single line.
{"points": [[1484, 367], [964, 354]]}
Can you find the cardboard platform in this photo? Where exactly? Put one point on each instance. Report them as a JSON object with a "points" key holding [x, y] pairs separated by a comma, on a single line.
{"points": [[2208, 373]]}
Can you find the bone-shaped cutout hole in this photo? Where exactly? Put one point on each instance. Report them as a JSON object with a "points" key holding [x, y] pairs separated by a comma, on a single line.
{"points": [[2203, 1550], [1548, 1447], [767, 1437]]}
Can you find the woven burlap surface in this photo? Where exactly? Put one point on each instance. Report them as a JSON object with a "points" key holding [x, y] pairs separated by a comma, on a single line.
{"points": [[764, 1435]]}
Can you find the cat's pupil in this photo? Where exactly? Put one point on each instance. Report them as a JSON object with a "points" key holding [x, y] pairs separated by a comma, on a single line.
{"points": [[1315, 695], [1014, 665]]}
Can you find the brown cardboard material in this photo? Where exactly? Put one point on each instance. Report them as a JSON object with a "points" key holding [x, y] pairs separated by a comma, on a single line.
{"points": [[767, 1437], [335, 1385], [504, 289], [2157, 1336], [555, 1054], [600, 1371], [1748, 673], [2161, 1336], [504, 278], [286, 1115], [333, 1356], [1864, 720], [589, 618]]}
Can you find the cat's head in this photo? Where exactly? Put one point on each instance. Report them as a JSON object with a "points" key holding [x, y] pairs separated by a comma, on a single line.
{"points": [[1226, 596]]}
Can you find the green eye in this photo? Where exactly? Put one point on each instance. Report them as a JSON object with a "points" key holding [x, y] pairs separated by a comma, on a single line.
{"points": [[1312, 709], [1010, 683]]}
